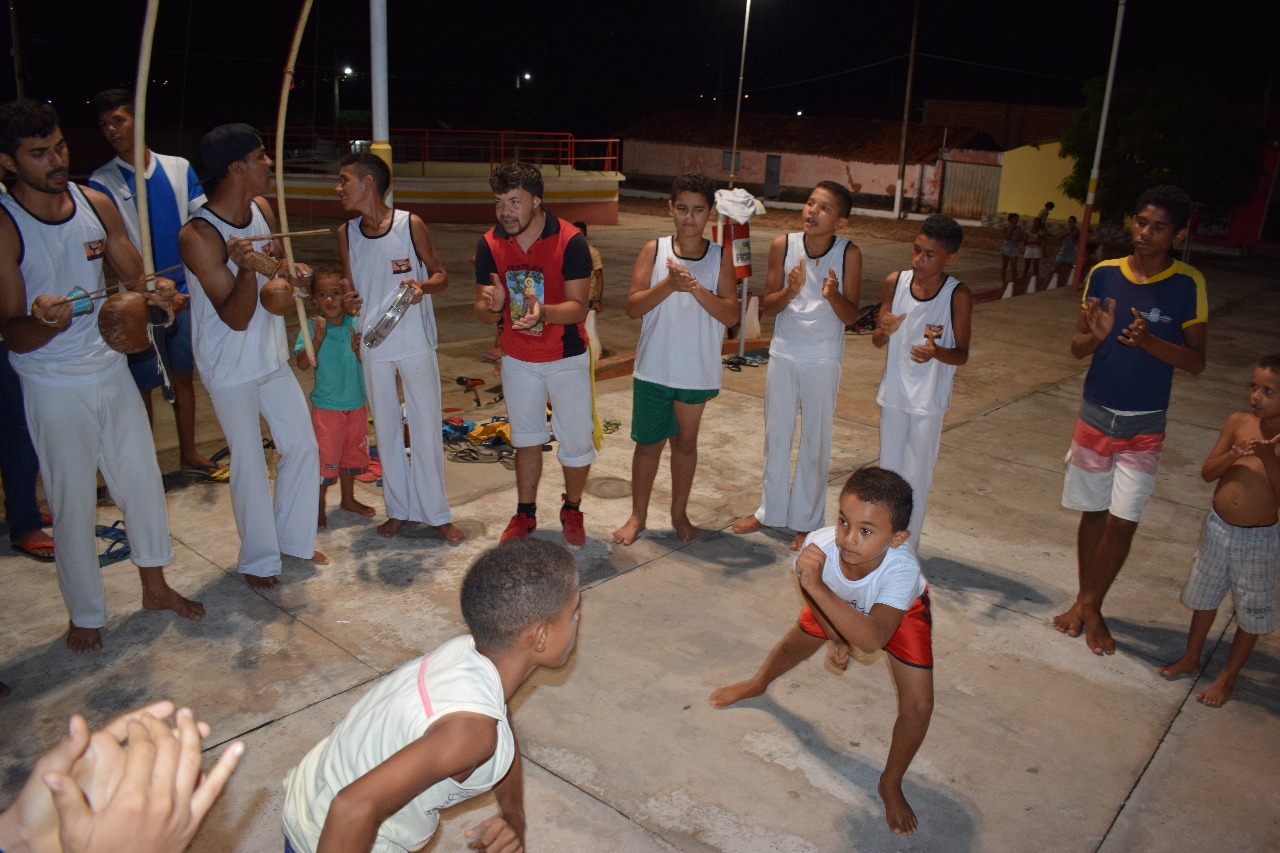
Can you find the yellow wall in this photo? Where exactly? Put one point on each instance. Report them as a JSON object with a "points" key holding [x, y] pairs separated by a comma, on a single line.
{"points": [[1030, 176]]}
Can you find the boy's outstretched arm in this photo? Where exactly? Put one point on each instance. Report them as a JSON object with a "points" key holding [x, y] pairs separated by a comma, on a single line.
{"points": [[869, 632], [454, 745], [505, 833]]}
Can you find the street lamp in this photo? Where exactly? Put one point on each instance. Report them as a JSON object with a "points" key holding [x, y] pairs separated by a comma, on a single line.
{"points": [[525, 77], [338, 78]]}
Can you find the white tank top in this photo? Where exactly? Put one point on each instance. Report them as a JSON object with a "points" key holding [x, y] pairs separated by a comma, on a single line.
{"points": [[808, 329], [378, 265], [57, 256], [395, 713], [679, 341], [921, 389], [224, 356]]}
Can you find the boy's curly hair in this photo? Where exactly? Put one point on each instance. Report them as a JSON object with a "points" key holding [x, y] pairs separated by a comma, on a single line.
{"points": [[514, 586], [885, 488]]}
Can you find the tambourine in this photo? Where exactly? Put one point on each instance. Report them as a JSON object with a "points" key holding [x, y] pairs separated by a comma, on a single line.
{"points": [[388, 314]]}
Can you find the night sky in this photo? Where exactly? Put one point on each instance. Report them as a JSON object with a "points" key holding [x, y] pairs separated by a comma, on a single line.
{"points": [[597, 66]]}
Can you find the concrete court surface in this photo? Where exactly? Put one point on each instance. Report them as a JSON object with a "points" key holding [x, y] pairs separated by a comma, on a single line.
{"points": [[1035, 744]]}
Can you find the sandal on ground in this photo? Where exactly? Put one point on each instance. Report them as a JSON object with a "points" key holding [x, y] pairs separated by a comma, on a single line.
{"points": [[217, 475], [114, 533], [115, 552], [37, 540], [474, 454]]}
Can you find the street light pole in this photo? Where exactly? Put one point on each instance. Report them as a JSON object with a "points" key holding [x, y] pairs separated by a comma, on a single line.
{"points": [[337, 79], [737, 106]]}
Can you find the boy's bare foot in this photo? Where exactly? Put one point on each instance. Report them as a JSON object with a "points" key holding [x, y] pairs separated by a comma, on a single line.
{"points": [[81, 640], [685, 529], [358, 508], [390, 527], [262, 581], [451, 534], [723, 697], [750, 524], [897, 811], [167, 598], [1216, 693], [1182, 666], [798, 540], [1096, 634], [197, 463], [629, 532], [319, 559], [323, 523], [1069, 623]]}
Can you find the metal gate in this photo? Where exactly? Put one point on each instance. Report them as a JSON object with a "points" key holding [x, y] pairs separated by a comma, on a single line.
{"points": [[970, 190]]}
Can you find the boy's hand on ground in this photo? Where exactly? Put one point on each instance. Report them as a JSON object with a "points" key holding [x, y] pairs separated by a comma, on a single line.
{"points": [[495, 835], [809, 566], [830, 285], [1136, 334], [838, 654]]}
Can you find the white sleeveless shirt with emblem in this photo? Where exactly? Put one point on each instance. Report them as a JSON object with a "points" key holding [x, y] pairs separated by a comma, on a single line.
{"points": [[921, 389], [378, 265]]}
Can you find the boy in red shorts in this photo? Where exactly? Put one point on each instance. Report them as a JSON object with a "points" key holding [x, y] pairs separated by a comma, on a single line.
{"points": [[338, 411], [862, 587]]}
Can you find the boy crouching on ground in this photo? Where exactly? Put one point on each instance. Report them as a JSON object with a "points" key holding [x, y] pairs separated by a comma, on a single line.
{"points": [[435, 731], [862, 587], [1240, 544]]}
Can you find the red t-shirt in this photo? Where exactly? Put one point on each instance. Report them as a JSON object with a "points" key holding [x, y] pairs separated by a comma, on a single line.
{"points": [[559, 254]]}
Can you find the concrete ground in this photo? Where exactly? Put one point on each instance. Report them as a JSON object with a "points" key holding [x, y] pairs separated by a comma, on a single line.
{"points": [[1036, 744]]}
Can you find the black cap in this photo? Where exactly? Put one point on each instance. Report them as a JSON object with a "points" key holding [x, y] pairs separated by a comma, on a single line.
{"points": [[226, 144]]}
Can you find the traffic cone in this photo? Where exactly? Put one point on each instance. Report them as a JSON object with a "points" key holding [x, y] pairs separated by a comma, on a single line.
{"points": [[1031, 285], [1008, 291]]}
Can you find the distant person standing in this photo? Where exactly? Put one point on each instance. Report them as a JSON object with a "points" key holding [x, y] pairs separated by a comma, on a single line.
{"points": [[1067, 250], [533, 273], [1011, 248], [173, 194]]}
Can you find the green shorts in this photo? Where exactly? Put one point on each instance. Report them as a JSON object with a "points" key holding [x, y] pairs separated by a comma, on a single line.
{"points": [[653, 413]]}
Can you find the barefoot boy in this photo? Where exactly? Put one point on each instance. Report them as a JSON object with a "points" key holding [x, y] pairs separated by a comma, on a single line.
{"points": [[862, 588], [1161, 310], [1240, 543], [817, 299], [435, 731], [382, 249], [924, 320], [677, 366], [338, 412]]}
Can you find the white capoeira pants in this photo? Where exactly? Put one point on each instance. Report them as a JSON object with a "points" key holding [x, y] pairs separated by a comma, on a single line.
{"points": [[909, 447], [413, 488], [809, 390], [289, 526], [79, 430]]}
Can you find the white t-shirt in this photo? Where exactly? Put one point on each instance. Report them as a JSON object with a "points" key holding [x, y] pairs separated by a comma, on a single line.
{"points": [[378, 265], [455, 677], [679, 341], [922, 389], [897, 581], [808, 330]]}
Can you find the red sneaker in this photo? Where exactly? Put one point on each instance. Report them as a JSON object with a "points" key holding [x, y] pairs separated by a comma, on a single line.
{"points": [[574, 534], [520, 526]]}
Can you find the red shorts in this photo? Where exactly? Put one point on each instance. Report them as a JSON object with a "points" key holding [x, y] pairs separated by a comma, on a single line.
{"points": [[343, 438], [912, 643]]}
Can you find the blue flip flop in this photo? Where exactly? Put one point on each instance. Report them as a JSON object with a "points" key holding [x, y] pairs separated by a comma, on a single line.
{"points": [[116, 551], [114, 533]]}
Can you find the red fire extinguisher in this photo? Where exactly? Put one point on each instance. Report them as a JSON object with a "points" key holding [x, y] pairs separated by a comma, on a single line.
{"points": [[736, 239]]}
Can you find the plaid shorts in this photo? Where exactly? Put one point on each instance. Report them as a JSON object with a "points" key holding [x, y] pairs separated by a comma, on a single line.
{"points": [[1245, 560]]}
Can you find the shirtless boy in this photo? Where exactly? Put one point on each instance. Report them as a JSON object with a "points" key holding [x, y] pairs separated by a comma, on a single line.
{"points": [[1240, 542]]}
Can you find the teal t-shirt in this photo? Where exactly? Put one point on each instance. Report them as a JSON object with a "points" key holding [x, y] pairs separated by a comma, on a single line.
{"points": [[339, 378]]}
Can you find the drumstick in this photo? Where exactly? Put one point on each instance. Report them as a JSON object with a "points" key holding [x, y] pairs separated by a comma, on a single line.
{"points": [[312, 233]]}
